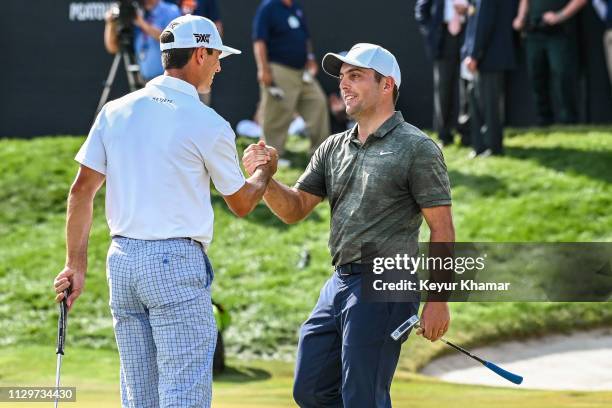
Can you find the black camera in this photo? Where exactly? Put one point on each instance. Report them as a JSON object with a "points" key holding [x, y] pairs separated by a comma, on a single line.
{"points": [[124, 13]]}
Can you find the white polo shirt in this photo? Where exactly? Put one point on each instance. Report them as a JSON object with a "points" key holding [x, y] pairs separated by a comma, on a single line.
{"points": [[159, 147]]}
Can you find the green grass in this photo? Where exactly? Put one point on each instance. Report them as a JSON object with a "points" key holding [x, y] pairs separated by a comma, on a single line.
{"points": [[259, 384], [549, 187]]}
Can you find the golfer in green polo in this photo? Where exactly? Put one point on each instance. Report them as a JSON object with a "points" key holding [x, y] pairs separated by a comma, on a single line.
{"points": [[381, 179]]}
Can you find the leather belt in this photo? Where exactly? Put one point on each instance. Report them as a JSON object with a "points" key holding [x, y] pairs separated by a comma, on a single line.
{"points": [[353, 268]]}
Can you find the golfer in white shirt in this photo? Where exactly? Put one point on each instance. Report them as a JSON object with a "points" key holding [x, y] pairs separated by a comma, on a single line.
{"points": [[157, 149]]}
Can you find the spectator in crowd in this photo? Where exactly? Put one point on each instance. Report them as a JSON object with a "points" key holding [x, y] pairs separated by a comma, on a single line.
{"points": [[204, 8], [149, 24], [286, 70], [442, 24], [488, 52], [552, 55], [604, 11]]}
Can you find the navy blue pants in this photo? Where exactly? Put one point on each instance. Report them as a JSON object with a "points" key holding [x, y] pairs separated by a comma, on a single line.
{"points": [[346, 357]]}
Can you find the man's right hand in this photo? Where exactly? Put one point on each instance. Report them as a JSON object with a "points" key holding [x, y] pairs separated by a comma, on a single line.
{"points": [[264, 76], [69, 278], [273, 163], [259, 154], [435, 320]]}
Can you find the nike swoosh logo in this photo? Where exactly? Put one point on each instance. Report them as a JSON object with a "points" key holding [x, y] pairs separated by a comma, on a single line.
{"points": [[384, 153]]}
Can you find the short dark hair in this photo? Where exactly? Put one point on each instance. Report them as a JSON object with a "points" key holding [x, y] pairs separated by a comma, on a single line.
{"points": [[378, 77], [176, 57]]}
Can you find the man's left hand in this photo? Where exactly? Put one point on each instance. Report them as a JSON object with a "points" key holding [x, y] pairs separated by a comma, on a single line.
{"points": [[435, 319], [69, 278]]}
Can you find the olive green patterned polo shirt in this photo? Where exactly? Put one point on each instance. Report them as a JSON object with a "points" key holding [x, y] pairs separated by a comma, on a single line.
{"points": [[376, 190]]}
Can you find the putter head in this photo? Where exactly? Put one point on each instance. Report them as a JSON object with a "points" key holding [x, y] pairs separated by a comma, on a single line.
{"points": [[404, 327]]}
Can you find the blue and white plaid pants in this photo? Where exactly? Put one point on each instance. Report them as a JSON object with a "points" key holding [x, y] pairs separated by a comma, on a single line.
{"points": [[164, 323]]}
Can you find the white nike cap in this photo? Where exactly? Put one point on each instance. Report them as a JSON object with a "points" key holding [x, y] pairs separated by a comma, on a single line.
{"points": [[364, 55], [195, 32]]}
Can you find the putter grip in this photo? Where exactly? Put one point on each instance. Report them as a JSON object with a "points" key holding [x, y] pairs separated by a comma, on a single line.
{"points": [[513, 378], [61, 325]]}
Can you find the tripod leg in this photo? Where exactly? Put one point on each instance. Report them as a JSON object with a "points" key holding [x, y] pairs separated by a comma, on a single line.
{"points": [[132, 70], [109, 83]]}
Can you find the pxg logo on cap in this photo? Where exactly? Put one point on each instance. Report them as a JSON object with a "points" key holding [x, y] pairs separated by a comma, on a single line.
{"points": [[194, 32], [202, 38]]}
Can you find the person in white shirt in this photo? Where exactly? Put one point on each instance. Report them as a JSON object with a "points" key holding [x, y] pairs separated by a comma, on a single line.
{"points": [[157, 149]]}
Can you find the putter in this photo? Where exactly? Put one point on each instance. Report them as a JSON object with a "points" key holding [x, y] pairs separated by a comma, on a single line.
{"points": [[61, 339], [404, 327], [413, 322]]}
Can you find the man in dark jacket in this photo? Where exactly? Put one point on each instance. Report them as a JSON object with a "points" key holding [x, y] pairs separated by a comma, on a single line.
{"points": [[442, 24], [488, 52]]}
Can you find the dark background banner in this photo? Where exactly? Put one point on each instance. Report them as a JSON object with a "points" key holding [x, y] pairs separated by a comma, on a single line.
{"points": [[54, 63]]}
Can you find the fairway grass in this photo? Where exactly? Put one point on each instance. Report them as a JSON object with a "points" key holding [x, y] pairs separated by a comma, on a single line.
{"points": [[551, 186], [260, 384]]}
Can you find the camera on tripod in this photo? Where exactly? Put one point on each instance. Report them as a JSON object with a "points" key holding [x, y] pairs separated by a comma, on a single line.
{"points": [[124, 13]]}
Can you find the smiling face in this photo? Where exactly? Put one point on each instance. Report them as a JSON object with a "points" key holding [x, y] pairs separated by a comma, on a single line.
{"points": [[209, 65], [360, 90]]}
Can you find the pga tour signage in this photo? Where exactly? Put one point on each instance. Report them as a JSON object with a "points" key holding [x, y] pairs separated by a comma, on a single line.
{"points": [[88, 11]]}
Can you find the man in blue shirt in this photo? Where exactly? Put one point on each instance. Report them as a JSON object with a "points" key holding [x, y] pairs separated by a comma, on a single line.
{"points": [[148, 27], [286, 70]]}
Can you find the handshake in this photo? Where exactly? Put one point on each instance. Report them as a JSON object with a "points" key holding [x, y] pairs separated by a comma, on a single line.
{"points": [[260, 156]]}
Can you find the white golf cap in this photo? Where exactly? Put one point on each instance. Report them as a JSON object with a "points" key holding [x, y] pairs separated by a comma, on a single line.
{"points": [[364, 55], [194, 32]]}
